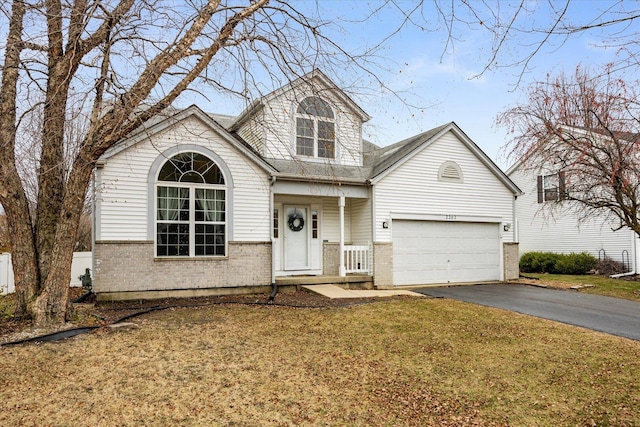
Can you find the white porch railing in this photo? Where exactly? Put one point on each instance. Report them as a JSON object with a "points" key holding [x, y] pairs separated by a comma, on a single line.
{"points": [[357, 259]]}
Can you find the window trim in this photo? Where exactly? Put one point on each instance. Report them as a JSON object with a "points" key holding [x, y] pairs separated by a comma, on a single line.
{"points": [[151, 192], [191, 222], [315, 119]]}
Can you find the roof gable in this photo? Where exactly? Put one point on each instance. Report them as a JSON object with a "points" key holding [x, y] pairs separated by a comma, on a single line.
{"points": [[315, 80], [393, 156], [159, 124]]}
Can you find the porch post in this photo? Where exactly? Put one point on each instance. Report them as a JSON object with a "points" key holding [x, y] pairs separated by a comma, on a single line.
{"points": [[341, 261]]}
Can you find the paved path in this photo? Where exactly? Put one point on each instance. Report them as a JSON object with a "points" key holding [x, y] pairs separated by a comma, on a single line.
{"points": [[333, 291], [605, 314]]}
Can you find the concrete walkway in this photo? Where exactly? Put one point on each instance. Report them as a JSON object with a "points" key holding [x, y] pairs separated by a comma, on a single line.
{"points": [[333, 291]]}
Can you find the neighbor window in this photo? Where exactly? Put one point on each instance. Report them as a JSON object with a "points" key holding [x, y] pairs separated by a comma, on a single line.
{"points": [[190, 207], [551, 188], [315, 129]]}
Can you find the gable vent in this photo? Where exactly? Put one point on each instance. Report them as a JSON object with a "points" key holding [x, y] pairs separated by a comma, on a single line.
{"points": [[450, 171]]}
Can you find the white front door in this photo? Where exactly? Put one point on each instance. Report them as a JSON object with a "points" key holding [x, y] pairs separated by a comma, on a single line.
{"points": [[296, 238]]}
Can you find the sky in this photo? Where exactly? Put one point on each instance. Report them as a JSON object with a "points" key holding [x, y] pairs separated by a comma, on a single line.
{"points": [[438, 83]]}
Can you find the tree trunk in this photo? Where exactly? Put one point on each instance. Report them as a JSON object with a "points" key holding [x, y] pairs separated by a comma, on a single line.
{"points": [[23, 253], [51, 173], [52, 305], [12, 195]]}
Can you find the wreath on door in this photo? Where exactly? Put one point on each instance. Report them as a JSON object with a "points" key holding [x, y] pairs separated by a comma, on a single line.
{"points": [[296, 221]]}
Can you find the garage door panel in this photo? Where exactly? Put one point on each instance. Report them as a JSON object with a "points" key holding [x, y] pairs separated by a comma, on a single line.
{"points": [[445, 252]]}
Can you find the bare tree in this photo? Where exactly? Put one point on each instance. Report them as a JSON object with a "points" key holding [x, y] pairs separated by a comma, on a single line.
{"points": [[522, 30], [587, 127], [113, 65]]}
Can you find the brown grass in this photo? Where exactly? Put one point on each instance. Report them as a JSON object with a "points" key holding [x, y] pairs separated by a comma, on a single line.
{"points": [[627, 287], [401, 362]]}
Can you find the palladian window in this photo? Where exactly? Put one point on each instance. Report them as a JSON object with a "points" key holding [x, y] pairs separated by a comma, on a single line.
{"points": [[315, 129], [190, 207]]}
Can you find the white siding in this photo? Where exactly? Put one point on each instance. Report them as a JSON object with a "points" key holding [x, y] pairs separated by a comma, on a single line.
{"points": [[414, 188], [122, 193], [331, 220], [539, 230], [361, 221], [253, 133], [276, 125]]}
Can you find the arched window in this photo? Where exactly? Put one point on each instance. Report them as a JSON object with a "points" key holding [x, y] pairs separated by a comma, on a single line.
{"points": [[190, 207], [315, 129]]}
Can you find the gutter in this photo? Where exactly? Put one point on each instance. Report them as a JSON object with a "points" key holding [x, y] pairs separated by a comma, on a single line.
{"points": [[323, 179]]}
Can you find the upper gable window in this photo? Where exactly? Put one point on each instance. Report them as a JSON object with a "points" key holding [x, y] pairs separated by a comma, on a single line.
{"points": [[315, 129], [190, 207], [450, 171]]}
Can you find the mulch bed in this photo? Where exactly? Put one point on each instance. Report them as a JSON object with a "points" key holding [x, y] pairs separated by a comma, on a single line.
{"points": [[92, 313]]}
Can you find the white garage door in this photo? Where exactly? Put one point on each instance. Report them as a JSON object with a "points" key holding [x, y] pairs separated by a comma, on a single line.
{"points": [[445, 252]]}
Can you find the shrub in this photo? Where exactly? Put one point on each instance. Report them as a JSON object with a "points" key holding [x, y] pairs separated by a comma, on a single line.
{"points": [[550, 262], [538, 262], [573, 263]]}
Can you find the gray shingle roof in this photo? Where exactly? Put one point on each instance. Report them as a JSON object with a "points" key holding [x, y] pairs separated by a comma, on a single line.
{"points": [[385, 157], [320, 171]]}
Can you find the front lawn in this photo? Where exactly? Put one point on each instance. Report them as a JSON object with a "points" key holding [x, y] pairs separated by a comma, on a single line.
{"points": [[620, 288], [413, 361]]}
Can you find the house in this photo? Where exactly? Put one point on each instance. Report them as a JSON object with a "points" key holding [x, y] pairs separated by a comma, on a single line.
{"points": [[196, 204], [562, 229]]}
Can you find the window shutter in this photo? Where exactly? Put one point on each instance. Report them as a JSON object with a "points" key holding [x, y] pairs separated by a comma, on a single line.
{"points": [[561, 186], [540, 190]]}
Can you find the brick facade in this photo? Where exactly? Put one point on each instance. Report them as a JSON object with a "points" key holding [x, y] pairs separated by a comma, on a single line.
{"points": [[131, 266], [511, 261], [331, 259], [383, 265]]}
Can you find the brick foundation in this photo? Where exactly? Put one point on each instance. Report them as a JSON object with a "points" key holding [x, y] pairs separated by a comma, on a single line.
{"points": [[330, 259], [131, 266], [383, 265], [511, 261]]}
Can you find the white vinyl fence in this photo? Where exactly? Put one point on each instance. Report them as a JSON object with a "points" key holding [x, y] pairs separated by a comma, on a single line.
{"points": [[81, 261]]}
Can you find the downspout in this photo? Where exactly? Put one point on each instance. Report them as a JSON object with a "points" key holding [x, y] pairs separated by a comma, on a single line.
{"points": [[94, 215], [342, 269], [274, 286], [634, 250]]}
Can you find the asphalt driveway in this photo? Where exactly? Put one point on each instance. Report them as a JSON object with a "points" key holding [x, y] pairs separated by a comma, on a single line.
{"points": [[605, 314]]}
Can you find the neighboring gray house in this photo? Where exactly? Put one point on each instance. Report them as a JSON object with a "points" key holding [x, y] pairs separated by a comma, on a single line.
{"points": [[199, 204], [560, 229]]}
